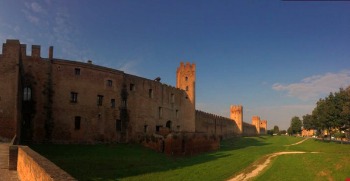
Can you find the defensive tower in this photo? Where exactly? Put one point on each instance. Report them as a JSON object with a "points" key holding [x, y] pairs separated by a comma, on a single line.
{"points": [[237, 115], [263, 127], [256, 123], [186, 80]]}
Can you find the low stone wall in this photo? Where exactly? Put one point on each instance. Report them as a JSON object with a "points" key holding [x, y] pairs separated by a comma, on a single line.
{"points": [[33, 166], [183, 144]]}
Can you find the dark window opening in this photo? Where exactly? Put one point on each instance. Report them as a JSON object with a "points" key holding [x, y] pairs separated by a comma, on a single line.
{"points": [[99, 100], [168, 124], [74, 97], [186, 78], [77, 71], [177, 113], [132, 87], [150, 93], [118, 125], [27, 94], [109, 83], [145, 128], [124, 103], [158, 128], [77, 122], [112, 103]]}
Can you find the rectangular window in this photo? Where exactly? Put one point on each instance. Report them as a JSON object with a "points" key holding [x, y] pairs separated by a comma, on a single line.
{"points": [[177, 113], [160, 112], [112, 103], [132, 87], [77, 71], [99, 100], [145, 128], [77, 122], [74, 97], [118, 125], [150, 93], [109, 83], [158, 128]]}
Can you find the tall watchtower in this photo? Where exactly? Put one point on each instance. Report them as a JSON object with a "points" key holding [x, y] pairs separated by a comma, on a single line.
{"points": [[256, 123], [236, 113], [263, 127], [186, 80]]}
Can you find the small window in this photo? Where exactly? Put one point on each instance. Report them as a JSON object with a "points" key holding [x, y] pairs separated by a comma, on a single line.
{"points": [[109, 83], [158, 128], [177, 114], [186, 78], [145, 128], [77, 122], [27, 94], [124, 103], [112, 103], [168, 124], [74, 97], [150, 93], [160, 112], [77, 71], [99, 100], [186, 88], [118, 125], [172, 98], [132, 87]]}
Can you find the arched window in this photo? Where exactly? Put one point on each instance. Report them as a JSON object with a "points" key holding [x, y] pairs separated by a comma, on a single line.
{"points": [[27, 94], [168, 124]]}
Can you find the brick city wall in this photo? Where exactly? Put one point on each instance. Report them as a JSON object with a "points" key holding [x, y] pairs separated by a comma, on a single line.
{"points": [[32, 166], [249, 129], [215, 125]]}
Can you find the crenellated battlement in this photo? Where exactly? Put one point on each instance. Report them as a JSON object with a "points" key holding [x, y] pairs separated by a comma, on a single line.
{"points": [[186, 66]]}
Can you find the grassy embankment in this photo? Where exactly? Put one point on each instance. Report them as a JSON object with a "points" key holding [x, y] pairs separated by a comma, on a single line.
{"points": [[133, 162]]}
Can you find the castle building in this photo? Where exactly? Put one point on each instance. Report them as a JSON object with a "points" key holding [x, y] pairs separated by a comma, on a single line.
{"points": [[75, 102]]}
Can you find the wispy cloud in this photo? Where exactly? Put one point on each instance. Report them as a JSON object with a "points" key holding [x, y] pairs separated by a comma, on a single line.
{"points": [[129, 67], [315, 86]]}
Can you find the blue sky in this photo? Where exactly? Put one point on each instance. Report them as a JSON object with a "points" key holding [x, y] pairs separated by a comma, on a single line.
{"points": [[276, 58]]}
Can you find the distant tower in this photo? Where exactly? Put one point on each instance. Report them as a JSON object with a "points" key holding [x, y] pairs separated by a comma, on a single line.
{"points": [[237, 115], [256, 123], [186, 80], [263, 127]]}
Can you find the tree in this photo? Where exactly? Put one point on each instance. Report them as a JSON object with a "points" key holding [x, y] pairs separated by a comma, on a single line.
{"points": [[289, 131], [276, 130], [283, 132], [295, 125], [308, 122]]}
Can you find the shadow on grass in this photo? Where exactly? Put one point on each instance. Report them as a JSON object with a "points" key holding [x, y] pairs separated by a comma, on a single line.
{"points": [[113, 162], [117, 161], [240, 143]]}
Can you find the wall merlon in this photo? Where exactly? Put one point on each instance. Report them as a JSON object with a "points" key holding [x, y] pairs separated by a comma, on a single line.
{"points": [[36, 51]]}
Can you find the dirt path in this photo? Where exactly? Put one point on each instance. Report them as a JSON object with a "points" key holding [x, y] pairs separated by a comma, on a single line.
{"points": [[298, 142], [254, 169]]}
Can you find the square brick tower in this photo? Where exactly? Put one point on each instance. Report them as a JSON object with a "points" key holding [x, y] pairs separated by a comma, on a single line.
{"points": [[236, 114]]}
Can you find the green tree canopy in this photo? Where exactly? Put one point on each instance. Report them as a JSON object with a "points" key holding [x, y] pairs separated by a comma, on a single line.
{"points": [[295, 125]]}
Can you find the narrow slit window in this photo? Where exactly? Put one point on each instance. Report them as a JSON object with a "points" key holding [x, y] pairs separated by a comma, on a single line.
{"points": [[109, 83], [99, 100], [77, 122], [27, 94], [112, 103], [77, 71], [150, 93]]}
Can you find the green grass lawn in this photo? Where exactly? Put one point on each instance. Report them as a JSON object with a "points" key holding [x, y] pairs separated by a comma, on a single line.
{"points": [[133, 162]]}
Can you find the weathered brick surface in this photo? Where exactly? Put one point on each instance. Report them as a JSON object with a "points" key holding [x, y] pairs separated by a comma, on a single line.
{"points": [[32, 166], [183, 143]]}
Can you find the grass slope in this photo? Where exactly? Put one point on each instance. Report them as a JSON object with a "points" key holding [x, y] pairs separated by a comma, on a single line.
{"points": [[133, 162]]}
